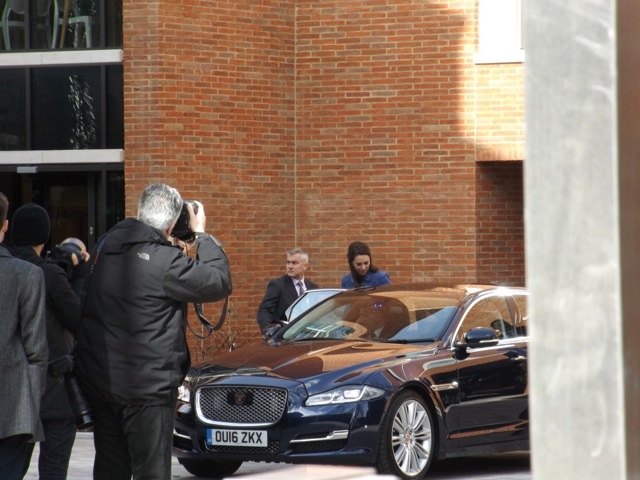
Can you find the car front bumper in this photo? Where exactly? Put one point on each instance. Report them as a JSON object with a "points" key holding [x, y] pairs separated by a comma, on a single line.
{"points": [[332, 434]]}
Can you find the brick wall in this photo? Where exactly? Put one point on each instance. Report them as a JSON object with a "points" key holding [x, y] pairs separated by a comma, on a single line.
{"points": [[499, 112], [316, 123]]}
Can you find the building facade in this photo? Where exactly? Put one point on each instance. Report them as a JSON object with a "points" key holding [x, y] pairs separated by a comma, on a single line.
{"points": [[297, 123]]}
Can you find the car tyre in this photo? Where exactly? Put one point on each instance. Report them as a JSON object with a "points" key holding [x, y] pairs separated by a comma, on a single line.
{"points": [[209, 468], [407, 440]]}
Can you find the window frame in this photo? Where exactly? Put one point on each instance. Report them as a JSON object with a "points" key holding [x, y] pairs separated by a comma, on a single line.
{"points": [[504, 309]]}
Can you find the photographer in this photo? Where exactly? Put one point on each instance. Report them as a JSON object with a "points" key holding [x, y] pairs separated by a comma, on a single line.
{"points": [[30, 229], [72, 256], [132, 353]]}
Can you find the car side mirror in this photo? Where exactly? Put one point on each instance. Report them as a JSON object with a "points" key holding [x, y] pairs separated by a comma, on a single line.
{"points": [[477, 338]]}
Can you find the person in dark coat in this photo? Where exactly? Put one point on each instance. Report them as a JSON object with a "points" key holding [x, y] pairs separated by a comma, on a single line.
{"points": [[133, 353], [72, 256], [30, 229], [282, 292], [23, 354]]}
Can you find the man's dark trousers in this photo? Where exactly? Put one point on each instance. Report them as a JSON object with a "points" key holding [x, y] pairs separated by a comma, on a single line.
{"points": [[55, 451], [15, 456], [132, 440]]}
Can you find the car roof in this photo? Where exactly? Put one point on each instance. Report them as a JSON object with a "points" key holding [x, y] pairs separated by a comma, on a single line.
{"points": [[455, 288]]}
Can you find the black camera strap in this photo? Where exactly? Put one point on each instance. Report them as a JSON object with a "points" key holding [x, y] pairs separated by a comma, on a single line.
{"points": [[198, 306], [205, 323]]}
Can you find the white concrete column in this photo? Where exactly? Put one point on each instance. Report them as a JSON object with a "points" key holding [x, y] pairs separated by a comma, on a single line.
{"points": [[582, 214]]}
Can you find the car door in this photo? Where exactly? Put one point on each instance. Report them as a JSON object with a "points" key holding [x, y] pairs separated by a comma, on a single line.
{"points": [[492, 380]]}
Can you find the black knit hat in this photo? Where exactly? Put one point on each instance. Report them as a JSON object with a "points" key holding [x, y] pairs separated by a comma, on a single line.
{"points": [[30, 225]]}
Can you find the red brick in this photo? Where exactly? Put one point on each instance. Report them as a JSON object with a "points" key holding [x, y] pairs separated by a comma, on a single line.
{"points": [[322, 122]]}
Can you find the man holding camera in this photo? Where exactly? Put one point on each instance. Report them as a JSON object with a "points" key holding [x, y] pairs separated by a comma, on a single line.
{"points": [[132, 353], [30, 229], [72, 256]]}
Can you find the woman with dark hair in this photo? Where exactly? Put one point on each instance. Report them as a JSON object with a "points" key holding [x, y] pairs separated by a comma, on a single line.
{"points": [[363, 272]]}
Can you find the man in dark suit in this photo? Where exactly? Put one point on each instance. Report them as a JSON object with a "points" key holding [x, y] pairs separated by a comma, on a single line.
{"points": [[282, 292]]}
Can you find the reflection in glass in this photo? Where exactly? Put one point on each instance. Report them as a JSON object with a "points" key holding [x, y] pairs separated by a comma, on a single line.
{"points": [[73, 20], [68, 108], [418, 317], [13, 24], [83, 134], [60, 24], [65, 108], [13, 130]]}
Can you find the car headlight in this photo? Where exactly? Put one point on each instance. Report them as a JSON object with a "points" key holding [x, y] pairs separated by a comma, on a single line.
{"points": [[346, 394], [184, 390], [184, 394]]}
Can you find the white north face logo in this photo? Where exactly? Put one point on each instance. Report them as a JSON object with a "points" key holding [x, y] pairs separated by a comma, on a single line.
{"points": [[144, 256]]}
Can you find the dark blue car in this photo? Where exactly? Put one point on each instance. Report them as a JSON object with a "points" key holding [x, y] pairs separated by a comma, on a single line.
{"points": [[392, 377]]}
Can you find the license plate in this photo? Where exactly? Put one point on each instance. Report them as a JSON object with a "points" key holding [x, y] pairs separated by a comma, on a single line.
{"points": [[237, 438]]}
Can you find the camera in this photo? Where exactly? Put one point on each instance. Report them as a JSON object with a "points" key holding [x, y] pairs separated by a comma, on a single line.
{"points": [[61, 255], [182, 229], [64, 367]]}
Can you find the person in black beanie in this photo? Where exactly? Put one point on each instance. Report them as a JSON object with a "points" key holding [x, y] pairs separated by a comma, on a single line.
{"points": [[30, 228]]}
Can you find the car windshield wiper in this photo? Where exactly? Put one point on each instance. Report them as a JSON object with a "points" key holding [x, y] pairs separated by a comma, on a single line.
{"points": [[312, 339], [322, 339], [408, 340]]}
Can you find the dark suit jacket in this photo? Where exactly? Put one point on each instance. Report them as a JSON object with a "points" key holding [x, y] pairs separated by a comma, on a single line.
{"points": [[281, 293]]}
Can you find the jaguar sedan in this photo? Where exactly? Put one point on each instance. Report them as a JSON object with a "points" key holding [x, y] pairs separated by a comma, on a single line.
{"points": [[393, 377]]}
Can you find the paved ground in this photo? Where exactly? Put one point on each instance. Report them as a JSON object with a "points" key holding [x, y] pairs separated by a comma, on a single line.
{"points": [[513, 466]]}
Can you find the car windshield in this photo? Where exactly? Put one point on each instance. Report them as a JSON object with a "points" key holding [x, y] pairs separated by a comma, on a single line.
{"points": [[308, 300], [407, 316]]}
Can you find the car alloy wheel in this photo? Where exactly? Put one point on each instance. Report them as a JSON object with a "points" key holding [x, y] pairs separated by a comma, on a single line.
{"points": [[407, 446]]}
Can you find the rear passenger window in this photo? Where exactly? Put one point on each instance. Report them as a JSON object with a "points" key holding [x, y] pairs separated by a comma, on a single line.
{"points": [[521, 323], [492, 313]]}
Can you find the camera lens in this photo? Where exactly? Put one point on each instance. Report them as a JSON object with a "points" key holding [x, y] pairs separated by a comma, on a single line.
{"points": [[79, 402]]}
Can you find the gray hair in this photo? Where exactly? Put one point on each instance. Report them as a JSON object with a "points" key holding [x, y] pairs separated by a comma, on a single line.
{"points": [[303, 255], [159, 206], [75, 241]]}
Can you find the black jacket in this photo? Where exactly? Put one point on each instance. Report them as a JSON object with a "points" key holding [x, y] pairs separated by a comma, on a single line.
{"points": [[133, 348], [280, 294], [63, 317]]}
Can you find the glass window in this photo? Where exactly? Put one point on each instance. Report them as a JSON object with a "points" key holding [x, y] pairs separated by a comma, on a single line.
{"points": [[13, 126], [60, 24], [491, 312], [114, 116], [66, 108], [523, 309], [71, 108], [115, 206], [499, 31]]}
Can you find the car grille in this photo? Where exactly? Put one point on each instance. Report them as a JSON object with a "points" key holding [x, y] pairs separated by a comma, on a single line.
{"points": [[240, 406], [272, 448]]}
